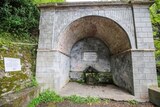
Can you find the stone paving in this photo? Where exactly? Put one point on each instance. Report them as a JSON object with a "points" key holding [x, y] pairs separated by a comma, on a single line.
{"points": [[109, 91]]}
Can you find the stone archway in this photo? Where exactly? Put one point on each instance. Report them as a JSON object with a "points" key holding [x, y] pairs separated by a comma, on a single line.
{"points": [[119, 25], [95, 26], [113, 35]]}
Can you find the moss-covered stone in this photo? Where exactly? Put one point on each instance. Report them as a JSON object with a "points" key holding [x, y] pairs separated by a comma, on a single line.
{"points": [[99, 78], [19, 99], [17, 80]]}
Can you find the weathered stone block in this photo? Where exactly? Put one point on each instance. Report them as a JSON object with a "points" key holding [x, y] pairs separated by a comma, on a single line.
{"points": [[19, 99], [154, 95]]}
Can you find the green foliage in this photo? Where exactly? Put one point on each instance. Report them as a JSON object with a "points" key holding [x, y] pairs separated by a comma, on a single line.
{"points": [[79, 100], [155, 17], [46, 1], [18, 16], [7, 38], [157, 46], [132, 102], [47, 96]]}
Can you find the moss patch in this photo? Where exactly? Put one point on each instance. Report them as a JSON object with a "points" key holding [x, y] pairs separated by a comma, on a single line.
{"points": [[101, 78], [14, 81]]}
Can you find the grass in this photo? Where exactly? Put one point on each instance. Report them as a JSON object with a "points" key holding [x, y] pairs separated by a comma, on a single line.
{"points": [[107, 101], [132, 102], [51, 96], [44, 97], [80, 100]]}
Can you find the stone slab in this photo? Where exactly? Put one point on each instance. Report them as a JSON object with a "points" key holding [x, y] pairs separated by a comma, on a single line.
{"points": [[154, 95], [19, 99]]}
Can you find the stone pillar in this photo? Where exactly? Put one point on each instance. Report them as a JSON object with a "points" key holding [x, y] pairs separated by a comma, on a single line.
{"points": [[143, 59], [52, 71], [49, 71]]}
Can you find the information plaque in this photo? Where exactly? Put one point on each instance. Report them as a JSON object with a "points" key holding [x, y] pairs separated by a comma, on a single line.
{"points": [[12, 64], [90, 56]]}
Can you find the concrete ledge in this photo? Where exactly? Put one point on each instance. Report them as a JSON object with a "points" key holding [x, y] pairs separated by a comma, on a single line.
{"points": [[52, 50], [154, 95], [19, 99], [142, 2], [81, 4], [102, 3]]}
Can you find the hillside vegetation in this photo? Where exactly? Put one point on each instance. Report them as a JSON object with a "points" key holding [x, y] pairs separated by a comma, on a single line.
{"points": [[19, 21]]}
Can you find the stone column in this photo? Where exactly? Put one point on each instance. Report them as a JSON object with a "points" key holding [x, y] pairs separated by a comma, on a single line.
{"points": [[143, 59], [52, 67]]}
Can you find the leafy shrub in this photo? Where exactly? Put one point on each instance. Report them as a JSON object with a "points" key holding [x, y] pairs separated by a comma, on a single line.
{"points": [[18, 16], [155, 18]]}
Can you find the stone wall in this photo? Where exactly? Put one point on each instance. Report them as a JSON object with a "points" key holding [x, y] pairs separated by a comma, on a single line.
{"points": [[79, 64], [102, 62], [121, 67], [143, 26], [52, 69]]}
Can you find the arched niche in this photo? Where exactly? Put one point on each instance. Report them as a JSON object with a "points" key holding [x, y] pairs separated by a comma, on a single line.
{"points": [[112, 35]]}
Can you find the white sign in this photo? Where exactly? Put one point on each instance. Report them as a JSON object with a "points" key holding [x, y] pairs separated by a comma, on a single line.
{"points": [[90, 56], [12, 64]]}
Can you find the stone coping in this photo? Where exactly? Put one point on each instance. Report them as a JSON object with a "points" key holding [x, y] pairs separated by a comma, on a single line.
{"points": [[155, 88], [55, 50], [154, 95], [102, 3]]}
